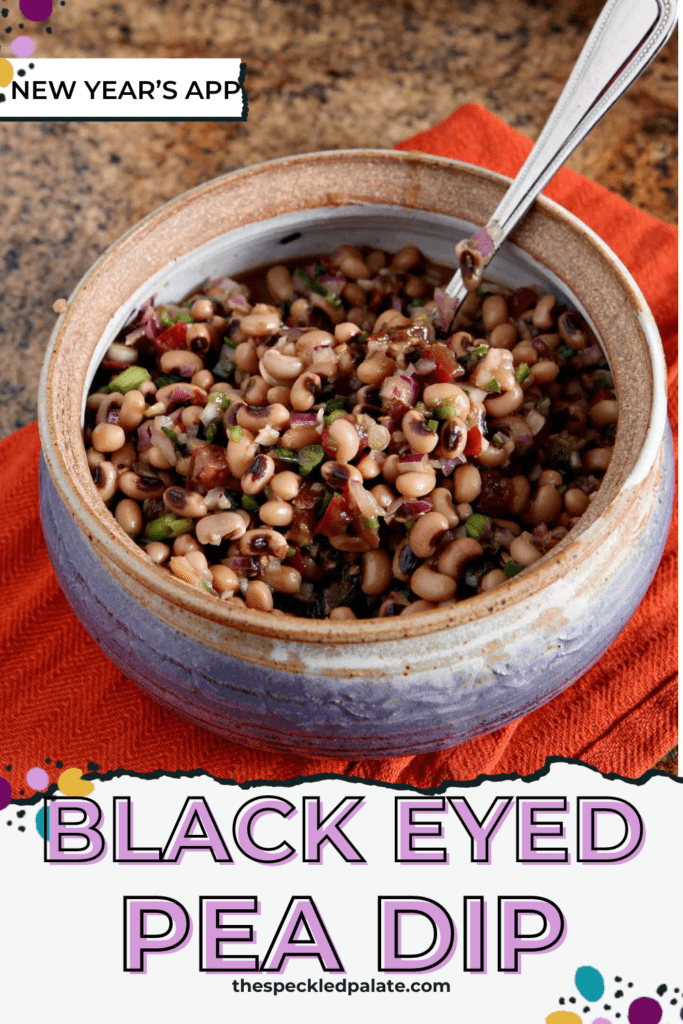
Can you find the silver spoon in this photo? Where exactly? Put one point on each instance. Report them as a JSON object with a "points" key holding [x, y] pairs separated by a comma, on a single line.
{"points": [[626, 37]]}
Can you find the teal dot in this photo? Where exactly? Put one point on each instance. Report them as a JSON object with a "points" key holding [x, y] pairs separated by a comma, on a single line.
{"points": [[590, 983], [40, 824]]}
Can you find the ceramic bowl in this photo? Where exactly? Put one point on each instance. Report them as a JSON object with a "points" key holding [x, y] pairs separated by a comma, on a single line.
{"points": [[385, 686]]}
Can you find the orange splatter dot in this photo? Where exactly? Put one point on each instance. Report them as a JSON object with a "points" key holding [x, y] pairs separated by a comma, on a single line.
{"points": [[563, 1017], [71, 783], [6, 72]]}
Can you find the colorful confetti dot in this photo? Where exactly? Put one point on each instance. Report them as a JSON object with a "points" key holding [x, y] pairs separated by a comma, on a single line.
{"points": [[23, 46], [40, 823], [37, 778], [563, 1017], [590, 983], [644, 1011], [71, 783], [5, 794], [36, 10], [601, 1020], [6, 72]]}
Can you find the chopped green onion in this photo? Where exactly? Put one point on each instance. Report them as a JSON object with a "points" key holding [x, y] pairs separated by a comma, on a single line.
{"points": [[230, 342], [499, 439], [493, 387], [212, 430], [562, 489], [235, 432], [315, 286], [409, 524], [476, 525], [336, 403], [445, 411], [421, 407], [166, 319], [129, 380], [167, 526], [225, 366], [327, 498], [287, 455], [310, 457], [334, 415], [249, 503], [290, 553], [205, 586], [183, 317], [479, 352], [370, 522], [603, 379], [170, 433], [522, 372], [564, 351], [433, 425], [512, 568], [166, 379], [220, 398]]}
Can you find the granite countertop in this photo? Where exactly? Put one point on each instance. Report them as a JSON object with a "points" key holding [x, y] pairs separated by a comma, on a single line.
{"points": [[320, 75]]}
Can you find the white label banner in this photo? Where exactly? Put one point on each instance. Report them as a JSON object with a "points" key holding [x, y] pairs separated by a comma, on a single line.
{"points": [[127, 90], [504, 902]]}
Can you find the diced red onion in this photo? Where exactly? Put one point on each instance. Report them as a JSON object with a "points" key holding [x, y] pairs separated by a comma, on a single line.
{"points": [[447, 466], [135, 335], [298, 419], [410, 458], [416, 508], [424, 366], [239, 303], [445, 308], [333, 283], [145, 436]]}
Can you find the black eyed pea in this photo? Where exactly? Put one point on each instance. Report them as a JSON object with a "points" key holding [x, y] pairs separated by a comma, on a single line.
{"points": [[180, 361], [181, 568], [255, 417], [523, 551], [343, 437], [406, 259], [276, 513], [451, 394], [158, 458], [140, 486], [255, 391], [416, 485], [491, 455], [203, 379], [341, 613], [180, 394], [312, 340], [492, 579], [604, 412], [575, 501], [225, 581], [524, 352], [94, 458], [494, 311], [105, 479], [300, 436], [132, 411], [129, 517], [521, 490], [432, 586], [202, 309], [187, 504], [370, 466], [279, 395], [245, 357], [426, 533], [278, 368], [303, 392], [546, 506], [375, 369], [503, 336], [550, 476], [404, 562], [376, 574], [544, 371], [466, 484], [213, 529], [393, 606], [191, 416], [185, 543], [596, 460], [258, 323], [263, 541], [282, 578], [338, 474], [114, 401], [182, 466], [376, 261], [197, 560], [390, 318], [353, 267], [417, 432], [464, 511], [457, 555], [383, 495], [158, 552], [280, 284], [198, 339], [345, 332], [453, 438], [258, 474], [571, 330], [354, 295], [300, 312], [542, 316], [442, 502], [390, 470], [285, 485], [418, 606], [108, 437], [508, 402], [345, 542]]}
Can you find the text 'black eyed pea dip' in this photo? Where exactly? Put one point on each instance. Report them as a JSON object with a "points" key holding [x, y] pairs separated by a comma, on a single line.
{"points": [[330, 440]]}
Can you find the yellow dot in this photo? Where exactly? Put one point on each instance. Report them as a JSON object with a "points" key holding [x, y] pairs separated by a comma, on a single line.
{"points": [[6, 72], [71, 783], [563, 1017]]}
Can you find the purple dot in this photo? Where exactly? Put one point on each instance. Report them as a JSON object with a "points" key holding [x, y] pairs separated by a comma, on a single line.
{"points": [[644, 1011], [601, 1020], [36, 10], [23, 46], [37, 778], [5, 794]]}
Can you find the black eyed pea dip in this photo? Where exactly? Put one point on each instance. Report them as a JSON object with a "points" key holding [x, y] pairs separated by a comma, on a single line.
{"points": [[334, 440]]}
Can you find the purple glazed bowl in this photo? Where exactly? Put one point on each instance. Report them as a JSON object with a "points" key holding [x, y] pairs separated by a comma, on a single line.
{"points": [[385, 686]]}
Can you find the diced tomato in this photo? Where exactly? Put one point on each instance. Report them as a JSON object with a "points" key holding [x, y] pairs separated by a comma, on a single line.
{"points": [[209, 468], [306, 506], [446, 364], [173, 337], [473, 445], [337, 517]]}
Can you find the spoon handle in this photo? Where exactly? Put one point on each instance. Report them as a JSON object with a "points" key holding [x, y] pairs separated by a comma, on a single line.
{"points": [[626, 37]]}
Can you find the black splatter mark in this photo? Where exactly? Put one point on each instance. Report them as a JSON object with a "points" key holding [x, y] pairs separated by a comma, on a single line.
{"points": [[20, 814], [617, 979], [9, 822], [48, 30], [21, 73], [5, 12], [607, 1006], [8, 767], [661, 989], [561, 1000], [59, 764], [571, 999], [618, 994], [586, 1009], [48, 760], [22, 828], [92, 767], [21, 792], [630, 985], [31, 66], [8, 30], [2, 97]]}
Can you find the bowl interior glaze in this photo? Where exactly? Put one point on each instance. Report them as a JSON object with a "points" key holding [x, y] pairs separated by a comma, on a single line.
{"points": [[309, 205]]}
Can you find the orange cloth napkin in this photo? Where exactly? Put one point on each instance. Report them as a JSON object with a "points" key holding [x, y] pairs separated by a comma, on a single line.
{"points": [[62, 700]]}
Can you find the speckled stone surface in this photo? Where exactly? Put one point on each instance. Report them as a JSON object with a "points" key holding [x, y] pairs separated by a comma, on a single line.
{"points": [[321, 74]]}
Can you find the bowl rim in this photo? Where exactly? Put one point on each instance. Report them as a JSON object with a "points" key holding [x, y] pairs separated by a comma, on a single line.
{"points": [[100, 527]]}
